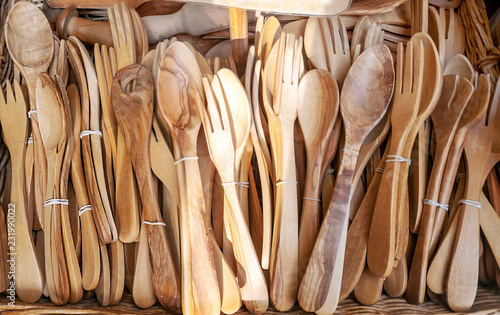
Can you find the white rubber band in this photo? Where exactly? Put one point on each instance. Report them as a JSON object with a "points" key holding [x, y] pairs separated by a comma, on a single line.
{"points": [[312, 199], [56, 202], [31, 112], [330, 171], [397, 158], [84, 209], [90, 132], [30, 140], [436, 204], [185, 159], [353, 152], [154, 223], [379, 170], [240, 184], [470, 203], [281, 182]]}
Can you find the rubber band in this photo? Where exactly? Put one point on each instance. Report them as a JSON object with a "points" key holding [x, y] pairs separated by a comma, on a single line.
{"points": [[312, 199], [185, 159], [379, 170], [154, 223], [353, 152], [397, 158], [90, 132], [30, 112], [330, 171], [281, 182], [470, 203], [56, 202], [30, 140], [436, 204], [240, 184], [84, 209], [379, 20]]}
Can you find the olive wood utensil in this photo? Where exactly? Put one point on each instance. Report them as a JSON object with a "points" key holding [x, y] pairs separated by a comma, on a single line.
{"points": [[102, 290], [226, 86], [454, 34], [74, 273], [13, 107], [455, 94], [32, 54], [369, 288], [404, 112], [141, 287], [200, 289], [53, 132], [94, 165], [357, 235], [134, 114], [317, 114], [91, 265], [325, 264], [395, 285]]}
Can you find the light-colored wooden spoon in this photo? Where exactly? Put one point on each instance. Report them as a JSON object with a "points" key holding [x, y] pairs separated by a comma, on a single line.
{"points": [[325, 264], [13, 107], [459, 64], [317, 113], [134, 114]]}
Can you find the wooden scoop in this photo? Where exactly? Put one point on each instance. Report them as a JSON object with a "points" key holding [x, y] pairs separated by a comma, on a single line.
{"points": [[317, 114], [134, 114], [362, 107]]}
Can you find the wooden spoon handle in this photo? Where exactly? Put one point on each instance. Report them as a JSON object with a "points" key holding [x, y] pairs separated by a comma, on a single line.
{"points": [[461, 284], [88, 31], [327, 258], [382, 237]]}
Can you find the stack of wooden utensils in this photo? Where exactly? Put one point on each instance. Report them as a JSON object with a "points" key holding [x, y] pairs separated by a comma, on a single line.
{"points": [[316, 163]]}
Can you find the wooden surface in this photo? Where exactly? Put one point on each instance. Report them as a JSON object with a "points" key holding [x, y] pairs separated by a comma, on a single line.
{"points": [[487, 302]]}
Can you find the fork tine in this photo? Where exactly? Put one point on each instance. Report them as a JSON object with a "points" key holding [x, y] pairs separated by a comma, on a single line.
{"points": [[327, 41], [129, 29], [10, 93], [288, 62], [112, 61], [212, 118], [347, 48], [418, 67], [297, 62], [451, 25], [399, 68], [113, 26], [223, 104], [3, 101], [408, 68], [335, 32], [369, 36]]}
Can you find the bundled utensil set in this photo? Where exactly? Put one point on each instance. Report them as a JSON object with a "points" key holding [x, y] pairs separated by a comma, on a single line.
{"points": [[336, 156]]}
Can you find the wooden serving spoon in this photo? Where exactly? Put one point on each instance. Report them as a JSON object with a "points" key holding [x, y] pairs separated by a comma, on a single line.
{"points": [[317, 113], [134, 114], [13, 106], [177, 95], [325, 264]]}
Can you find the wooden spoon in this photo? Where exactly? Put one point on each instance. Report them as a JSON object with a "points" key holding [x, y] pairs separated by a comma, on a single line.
{"points": [[459, 64], [445, 117], [180, 79], [52, 130], [325, 264], [317, 113], [134, 114], [29, 282]]}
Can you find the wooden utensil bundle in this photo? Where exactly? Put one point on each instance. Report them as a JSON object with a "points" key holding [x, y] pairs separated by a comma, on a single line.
{"points": [[114, 120]]}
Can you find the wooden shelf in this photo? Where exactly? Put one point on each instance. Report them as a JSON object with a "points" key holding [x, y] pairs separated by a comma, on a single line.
{"points": [[487, 302]]}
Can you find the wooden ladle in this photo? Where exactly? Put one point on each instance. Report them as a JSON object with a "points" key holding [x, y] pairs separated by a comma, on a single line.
{"points": [[362, 107], [134, 114]]}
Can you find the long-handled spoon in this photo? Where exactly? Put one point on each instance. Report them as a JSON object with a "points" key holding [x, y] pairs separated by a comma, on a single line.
{"points": [[362, 108]]}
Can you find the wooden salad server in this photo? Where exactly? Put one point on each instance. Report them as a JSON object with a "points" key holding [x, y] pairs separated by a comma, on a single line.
{"points": [[13, 107], [327, 258], [134, 114]]}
